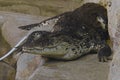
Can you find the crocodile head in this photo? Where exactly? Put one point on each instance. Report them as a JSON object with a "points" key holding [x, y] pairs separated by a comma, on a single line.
{"points": [[49, 45], [56, 45]]}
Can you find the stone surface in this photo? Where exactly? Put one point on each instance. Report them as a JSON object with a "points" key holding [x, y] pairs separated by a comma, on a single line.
{"points": [[85, 68], [101, 2], [114, 30], [7, 72], [39, 7], [26, 65], [95, 1], [12, 21]]}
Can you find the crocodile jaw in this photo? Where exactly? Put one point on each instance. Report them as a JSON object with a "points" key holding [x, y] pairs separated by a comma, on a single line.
{"points": [[62, 51], [49, 51], [59, 47]]}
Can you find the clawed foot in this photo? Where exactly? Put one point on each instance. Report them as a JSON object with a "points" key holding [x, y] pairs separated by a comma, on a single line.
{"points": [[104, 59], [104, 54]]}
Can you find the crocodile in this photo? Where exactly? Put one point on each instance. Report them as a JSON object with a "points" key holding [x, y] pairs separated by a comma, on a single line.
{"points": [[73, 34], [70, 35], [62, 45]]}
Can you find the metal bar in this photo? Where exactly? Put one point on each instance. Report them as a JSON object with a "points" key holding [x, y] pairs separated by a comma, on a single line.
{"points": [[14, 48]]}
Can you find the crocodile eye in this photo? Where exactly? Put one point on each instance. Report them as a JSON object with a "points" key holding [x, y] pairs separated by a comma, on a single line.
{"points": [[36, 36]]}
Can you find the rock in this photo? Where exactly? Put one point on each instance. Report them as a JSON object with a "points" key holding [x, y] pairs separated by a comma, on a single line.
{"points": [[101, 2], [12, 21], [26, 65], [86, 68], [4, 46], [6, 72], [10, 30], [95, 1], [114, 30]]}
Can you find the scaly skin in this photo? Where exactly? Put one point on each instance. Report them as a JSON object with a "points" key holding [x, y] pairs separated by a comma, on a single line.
{"points": [[69, 35], [59, 46], [72, 35]]}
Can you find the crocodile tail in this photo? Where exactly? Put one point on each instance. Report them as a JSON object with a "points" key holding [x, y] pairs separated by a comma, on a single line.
{"points": [[44, 22], [28, 27]]}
